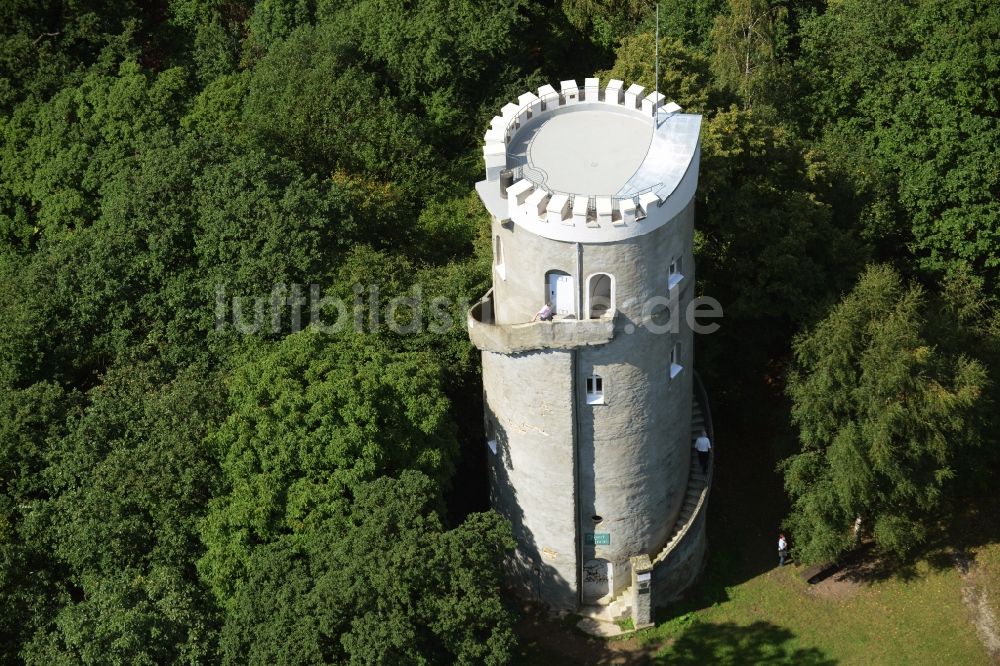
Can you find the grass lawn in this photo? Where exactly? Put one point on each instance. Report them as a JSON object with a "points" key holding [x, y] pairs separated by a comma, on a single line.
{"points": [[988, 562], [745, 610], [776, 618]]}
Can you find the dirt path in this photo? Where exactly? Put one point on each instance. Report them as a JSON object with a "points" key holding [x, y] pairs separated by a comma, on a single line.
{"points": [[558, 643], [978, 605]]}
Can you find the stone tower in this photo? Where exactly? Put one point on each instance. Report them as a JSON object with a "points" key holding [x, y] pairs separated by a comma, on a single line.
{"points": [[589, 415]]}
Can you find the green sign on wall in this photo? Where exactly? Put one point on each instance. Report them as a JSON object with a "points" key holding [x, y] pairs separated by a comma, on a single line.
{"points": [[597, 538]]}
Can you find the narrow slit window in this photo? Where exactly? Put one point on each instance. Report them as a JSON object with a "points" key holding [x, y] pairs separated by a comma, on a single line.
{"points": [[675, 360], [595, 390], [498, 263], [491, 437], [675, 276]]}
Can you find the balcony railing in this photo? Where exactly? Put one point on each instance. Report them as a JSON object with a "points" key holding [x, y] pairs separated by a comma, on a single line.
{"points": [[559, 333]]}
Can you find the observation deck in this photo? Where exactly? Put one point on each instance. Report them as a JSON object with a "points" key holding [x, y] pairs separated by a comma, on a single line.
{"points": [[590, 164], [559, 333]]}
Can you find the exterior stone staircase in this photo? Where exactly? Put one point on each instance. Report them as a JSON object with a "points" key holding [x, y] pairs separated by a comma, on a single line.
{"points": [[696, 487], [603, 620]]}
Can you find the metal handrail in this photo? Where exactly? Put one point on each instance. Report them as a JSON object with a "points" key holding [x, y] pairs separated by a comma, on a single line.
{"points": [[703, 399], [520, 173]]}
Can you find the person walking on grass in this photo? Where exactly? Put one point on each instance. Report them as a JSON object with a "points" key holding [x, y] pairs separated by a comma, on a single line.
{"points": [[782, 550]]}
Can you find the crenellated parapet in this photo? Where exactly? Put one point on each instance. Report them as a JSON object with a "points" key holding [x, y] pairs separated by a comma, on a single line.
{"points": [[590, 164]]}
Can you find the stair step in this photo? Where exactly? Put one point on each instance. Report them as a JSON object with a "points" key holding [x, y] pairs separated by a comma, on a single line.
{"points": [[695, 488]]}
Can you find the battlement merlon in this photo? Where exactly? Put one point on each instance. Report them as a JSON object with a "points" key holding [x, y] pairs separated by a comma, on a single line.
{"points": [[594, 165]]}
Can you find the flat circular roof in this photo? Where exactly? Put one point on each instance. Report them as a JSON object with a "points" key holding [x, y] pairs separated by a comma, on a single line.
{"points": [[592, 151]]}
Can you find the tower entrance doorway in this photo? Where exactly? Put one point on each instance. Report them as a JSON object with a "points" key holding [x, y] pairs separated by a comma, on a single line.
{"points": [[560, 292], [598, 580]]}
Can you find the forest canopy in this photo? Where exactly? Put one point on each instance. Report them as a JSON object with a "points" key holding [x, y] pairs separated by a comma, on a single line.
{"points": [[175, 488]]}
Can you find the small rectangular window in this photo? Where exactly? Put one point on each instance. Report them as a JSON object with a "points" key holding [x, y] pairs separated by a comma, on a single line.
{"points": [[595, 390]]}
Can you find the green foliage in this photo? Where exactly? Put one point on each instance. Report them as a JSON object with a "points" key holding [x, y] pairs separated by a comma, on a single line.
{"points": [[744, 40], [376, 87], [30, 420], [44, 42], [274, 20], [57, 155], [767, 234], [123, 490], [905, 94], [607, 19], [152, 157], [260, 221], [301, 92], [309, 420], [155, 155], [437, 53], [767, 244], [689, 21], [882, 414], [376, 580], [684, 74]]}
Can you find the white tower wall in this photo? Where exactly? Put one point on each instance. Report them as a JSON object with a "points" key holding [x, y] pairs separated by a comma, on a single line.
{"points": [[590, 479]]}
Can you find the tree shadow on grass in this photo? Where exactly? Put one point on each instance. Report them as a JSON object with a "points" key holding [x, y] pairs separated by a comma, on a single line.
{"points": [[728, 643], [950, 542]]}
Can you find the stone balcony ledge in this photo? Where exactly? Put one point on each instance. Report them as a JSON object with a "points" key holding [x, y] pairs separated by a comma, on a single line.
{"points": [[560, 333]]}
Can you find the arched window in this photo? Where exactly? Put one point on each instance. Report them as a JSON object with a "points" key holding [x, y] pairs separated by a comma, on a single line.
{"points": [[595, 390], [498, 258], [600, 295], [559, 292]]}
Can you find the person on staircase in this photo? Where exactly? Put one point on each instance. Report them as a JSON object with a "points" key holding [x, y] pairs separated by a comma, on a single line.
{"points": [[703, 445]]}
